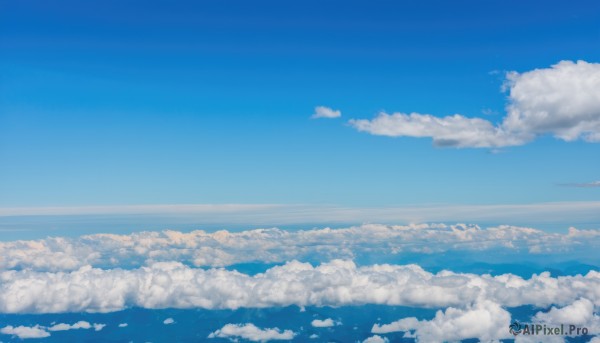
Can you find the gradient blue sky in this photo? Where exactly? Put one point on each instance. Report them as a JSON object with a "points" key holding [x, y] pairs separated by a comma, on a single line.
{"points": [[147, 102]]}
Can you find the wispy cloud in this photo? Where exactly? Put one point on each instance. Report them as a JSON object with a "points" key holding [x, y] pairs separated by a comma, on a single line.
{"points": [[582, 185], [326, 112], [280, 214], [134, 209], [562, 101]]}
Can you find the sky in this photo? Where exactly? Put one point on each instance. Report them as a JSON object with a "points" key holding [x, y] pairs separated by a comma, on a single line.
{"points": [[373, 171], [128, 103]]}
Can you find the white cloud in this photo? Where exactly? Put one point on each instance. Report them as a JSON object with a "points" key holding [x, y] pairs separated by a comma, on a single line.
{"points": [[39, 331], [562, 100], [123, 325], [326, 112], [486, 321], [325, 323], [580, 313], [223, 248], [168, 321], [252, 333], [376, 339], [63, 327], [24, 332], [455, 131], [337, 283]]}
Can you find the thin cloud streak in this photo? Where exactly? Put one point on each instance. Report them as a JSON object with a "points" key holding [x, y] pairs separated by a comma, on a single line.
{"points": [[592, 184], [302, 213]]}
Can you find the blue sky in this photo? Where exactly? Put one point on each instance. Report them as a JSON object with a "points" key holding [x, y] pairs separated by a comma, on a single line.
{"points": [[127, 103], [150, 147]]}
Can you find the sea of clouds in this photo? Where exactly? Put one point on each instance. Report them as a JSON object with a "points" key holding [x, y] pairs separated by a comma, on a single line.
{"points": [[171, 269], [224, 248]]}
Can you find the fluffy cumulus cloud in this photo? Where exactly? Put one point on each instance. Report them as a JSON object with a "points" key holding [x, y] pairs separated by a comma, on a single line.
{"points": [[376, 339], [326, 112], [325, 323], [64, 327], [562, 101], [24, 332], [223, 248], [580, 313], [168, 321], [486, 321], [39, 331], [252, 333], [336, 283]]}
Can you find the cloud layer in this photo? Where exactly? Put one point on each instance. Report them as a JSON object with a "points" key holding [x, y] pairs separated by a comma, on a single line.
{"points": [[224, 248], [337, 283], [562, 101], [269, 214]]}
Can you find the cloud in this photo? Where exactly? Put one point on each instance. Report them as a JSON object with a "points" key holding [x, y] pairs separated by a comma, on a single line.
{"points": [[376, 339], [252, 333], [580, 313], [486, 321], [562, 101], [39, 331], [168, 321], [451, 131], [224, 248], [63, 327], [592, 184], [326, 323], [24, 332], [336, 283], [123, 325], [273, 214], [136, 209], [326, 112]]}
